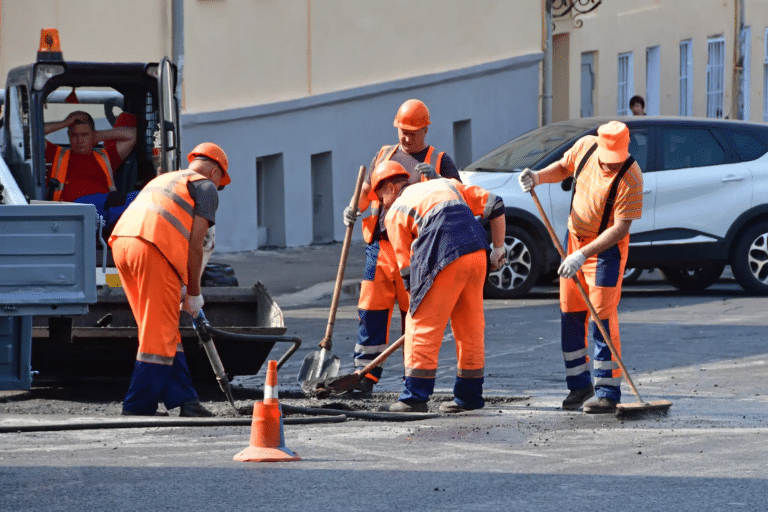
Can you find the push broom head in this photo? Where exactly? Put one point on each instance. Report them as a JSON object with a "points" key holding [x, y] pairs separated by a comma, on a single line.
{"points": [[642, 409]]}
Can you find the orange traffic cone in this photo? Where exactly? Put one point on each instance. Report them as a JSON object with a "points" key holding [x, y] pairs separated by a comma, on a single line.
{"points": [[267, 441]]}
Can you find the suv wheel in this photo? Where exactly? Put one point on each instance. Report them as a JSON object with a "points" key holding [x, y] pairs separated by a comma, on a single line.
{"points": [[750, 259], [631, 275], [693, 279], [518, 275]]}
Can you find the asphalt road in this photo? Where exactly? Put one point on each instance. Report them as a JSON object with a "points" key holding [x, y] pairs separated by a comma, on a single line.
{"points": [[707, 353]]}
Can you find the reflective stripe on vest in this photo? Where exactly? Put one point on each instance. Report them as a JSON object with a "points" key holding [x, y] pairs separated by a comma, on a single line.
{"points": [[61, 166], [369, 223], [162, 214]]}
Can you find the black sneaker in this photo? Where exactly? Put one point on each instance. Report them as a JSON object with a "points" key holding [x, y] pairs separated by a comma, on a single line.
{"points": [[406, 407], [577, 397], [194, 409], [600, 406]]}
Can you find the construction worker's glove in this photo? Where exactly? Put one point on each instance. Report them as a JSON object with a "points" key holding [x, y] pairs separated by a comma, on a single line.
{"points": [[571, 264], [193, 304], [183, 292], [350, 216], [427, 171], [497, 258], [527, 180]]}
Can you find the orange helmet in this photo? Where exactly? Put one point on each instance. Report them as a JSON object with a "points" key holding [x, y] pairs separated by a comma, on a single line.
{"points": [[215, 153], [412, 115], [384, 171]]}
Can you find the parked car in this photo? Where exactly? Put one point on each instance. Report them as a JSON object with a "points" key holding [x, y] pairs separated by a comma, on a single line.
{"points": [[705, 201]]}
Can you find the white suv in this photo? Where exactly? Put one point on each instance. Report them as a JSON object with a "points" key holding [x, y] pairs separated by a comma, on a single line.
{"points": [[705, 201]]}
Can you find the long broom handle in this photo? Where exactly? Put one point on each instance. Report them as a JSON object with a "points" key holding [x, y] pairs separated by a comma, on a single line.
{"points": [[584, 295], [326, 343]]}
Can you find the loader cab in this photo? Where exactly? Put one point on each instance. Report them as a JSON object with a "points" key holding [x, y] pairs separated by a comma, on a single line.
{"points": [[51, 88]]}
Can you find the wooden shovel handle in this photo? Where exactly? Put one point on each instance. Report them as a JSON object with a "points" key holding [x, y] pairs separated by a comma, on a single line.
{"points": [[382, 357], [326, 343], [584, 295]]}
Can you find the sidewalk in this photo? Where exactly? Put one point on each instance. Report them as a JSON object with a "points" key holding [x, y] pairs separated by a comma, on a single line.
{"points": [[298, 275]]}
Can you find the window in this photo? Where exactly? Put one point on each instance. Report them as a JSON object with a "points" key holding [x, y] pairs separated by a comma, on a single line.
{"points": [[626, 87], [638, 147], [652, 81], [715, 76], [686, 78], [690, 147]]}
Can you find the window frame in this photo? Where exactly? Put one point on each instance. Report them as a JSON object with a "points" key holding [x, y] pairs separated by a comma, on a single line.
{"points": [[625, 87], [715, 77], [686, 78]]}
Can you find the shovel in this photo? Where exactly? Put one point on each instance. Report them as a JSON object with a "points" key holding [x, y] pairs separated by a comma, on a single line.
{"points": [[622, 410], [324, 388], [203, 330], [323, 364]]}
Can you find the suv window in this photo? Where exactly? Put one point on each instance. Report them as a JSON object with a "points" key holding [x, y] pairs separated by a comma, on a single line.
{"points": [[748, 146], [638, 147], [689, 147]]}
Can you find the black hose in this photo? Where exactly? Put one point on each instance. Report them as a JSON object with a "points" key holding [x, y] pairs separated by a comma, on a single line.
{"points": [[375, 416], [160, 422]]}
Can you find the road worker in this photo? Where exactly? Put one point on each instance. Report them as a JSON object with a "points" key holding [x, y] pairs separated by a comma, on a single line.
{"points": [[607, 197], [440, 249], [158, 250], [382, 287]]}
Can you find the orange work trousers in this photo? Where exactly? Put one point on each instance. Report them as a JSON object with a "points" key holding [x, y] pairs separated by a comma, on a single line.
{"points": [[153, 290], [456, 295], [380, 290], [601, 276]]}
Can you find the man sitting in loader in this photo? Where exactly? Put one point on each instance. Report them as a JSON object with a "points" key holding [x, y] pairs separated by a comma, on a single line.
{"points": [[84, 173]]}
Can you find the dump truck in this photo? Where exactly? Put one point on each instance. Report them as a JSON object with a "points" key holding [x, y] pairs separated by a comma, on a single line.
{"points": [[63, 314]]}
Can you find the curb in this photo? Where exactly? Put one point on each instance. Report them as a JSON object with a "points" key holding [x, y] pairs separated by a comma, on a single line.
{"points": [[350, 290]]}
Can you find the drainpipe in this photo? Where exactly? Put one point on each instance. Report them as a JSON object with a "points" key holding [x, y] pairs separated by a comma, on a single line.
{"points": [[546, 66], [177, 50], [737, 92]]}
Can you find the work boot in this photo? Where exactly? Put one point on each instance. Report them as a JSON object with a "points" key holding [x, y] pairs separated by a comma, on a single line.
{"points": [[406, 407], [453, 408], [577, 397], [194, 409], [600, 406]]}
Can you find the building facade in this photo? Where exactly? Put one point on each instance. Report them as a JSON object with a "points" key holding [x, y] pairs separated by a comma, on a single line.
{"points": [[707, 58], [301, 93]]}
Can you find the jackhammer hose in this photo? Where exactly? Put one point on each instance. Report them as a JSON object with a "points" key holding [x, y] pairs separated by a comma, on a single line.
{"points": [[160, 422]]}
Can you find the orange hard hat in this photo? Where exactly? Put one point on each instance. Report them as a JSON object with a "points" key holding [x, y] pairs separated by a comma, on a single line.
{"points": [[384, 171], [412, 115], [215, 153]]}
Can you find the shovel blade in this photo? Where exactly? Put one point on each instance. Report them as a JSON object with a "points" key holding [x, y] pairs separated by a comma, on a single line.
{"points": [[319, 365]]}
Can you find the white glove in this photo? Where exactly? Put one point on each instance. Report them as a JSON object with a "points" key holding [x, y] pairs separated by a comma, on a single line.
{"points": [[497, 258], [571, 264], [183, 293], [527, 180], [193, 304], [427, 171], [350, 215]]}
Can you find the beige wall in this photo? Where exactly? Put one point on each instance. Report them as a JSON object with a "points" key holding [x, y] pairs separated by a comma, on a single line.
{"points": [[125, 30], [619, 26], [240, 53]]}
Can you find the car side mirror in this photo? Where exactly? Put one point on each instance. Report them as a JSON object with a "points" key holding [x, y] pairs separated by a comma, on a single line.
{"points": [[566, 184]]}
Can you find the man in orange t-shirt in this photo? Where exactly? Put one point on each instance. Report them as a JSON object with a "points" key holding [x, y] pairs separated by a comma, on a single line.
{"points": [[597, 243]]}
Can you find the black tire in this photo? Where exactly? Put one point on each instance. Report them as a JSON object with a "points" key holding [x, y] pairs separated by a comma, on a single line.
{"points": [[218, 274], [750, 259], [518, 275], [631, 275], [693, 279]]}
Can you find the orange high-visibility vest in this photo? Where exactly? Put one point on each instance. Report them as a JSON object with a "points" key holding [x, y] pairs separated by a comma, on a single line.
{"points": [[61, 166], [162, 214], [385, 153]]}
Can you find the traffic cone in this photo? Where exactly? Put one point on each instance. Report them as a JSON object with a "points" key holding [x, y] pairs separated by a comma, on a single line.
{"points": [[267, 441]]}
